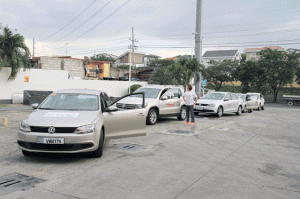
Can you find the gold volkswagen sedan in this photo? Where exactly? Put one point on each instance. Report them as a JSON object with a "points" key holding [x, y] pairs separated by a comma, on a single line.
{"points": [[79, 120]]}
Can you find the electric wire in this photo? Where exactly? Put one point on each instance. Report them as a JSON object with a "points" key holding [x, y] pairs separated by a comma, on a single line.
{"points": [[70, 21]]}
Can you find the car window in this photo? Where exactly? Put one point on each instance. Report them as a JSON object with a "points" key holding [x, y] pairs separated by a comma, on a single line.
{"points": [[214, 96], [179, 92], [149, 92], [168, 94], [234, 97], [106, 99], [71, 101], [228, 96], [174, 93], [253, 96]]}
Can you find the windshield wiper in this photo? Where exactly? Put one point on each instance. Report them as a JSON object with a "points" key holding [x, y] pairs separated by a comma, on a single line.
{"points": [[47, 108]]}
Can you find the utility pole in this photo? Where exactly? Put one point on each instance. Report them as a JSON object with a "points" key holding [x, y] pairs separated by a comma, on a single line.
{"points": [[132, 47], [198, 46], [66, 49], [33, 48]]}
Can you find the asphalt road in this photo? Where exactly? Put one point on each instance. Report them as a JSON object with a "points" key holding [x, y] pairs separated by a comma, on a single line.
{"points": [[255, 155]]}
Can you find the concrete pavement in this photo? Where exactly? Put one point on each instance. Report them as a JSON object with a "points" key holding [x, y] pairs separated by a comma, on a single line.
{"points": [[255, 155]]}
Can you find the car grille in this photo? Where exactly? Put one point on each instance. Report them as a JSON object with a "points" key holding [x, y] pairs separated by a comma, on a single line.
{"points": [[198, 104], [126, 106], [42, 129], [55, 147]]}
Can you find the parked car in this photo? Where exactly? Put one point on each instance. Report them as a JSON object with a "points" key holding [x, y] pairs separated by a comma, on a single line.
{"points": [[249, 102], [73, 121], [260, 101], [160, 101], [219, 103]]}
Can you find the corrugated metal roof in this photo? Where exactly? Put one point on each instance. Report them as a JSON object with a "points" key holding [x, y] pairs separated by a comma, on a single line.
{"points": [[220, 53]]}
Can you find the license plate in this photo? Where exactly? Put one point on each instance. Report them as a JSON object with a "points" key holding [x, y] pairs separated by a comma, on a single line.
{"points": [[198, 108], [50, 140]]}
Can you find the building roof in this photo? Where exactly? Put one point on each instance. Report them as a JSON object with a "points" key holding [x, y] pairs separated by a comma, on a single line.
{"points": [[264, 48], [171, 58], [127, 52], [153, 56], [220, 53]]}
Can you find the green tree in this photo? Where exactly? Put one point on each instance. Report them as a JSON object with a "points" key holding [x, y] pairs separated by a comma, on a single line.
{"points": [[13, 52], [158, 63], [162, 76], [279, 67], [220, 72], [103, 58], [250, 74]]}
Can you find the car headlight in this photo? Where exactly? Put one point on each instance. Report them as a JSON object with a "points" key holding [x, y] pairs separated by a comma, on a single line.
{"points": [[25, 127], [211, 105], [85, 129]]}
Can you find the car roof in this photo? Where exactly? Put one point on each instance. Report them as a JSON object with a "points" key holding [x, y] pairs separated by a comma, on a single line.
{"points": [[160, 86], [254, 93], [81, 91], [222, 92]]}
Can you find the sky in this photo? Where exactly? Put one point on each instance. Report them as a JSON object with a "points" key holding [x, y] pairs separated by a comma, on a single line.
{"points": [[165, 28]]}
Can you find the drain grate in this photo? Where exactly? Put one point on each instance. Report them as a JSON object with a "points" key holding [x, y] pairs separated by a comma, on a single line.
{"points": [[128, 147], [16, 182], [180, 132]]}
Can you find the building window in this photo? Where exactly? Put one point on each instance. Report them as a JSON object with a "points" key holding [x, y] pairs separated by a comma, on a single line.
{"points": [[253, 54]]}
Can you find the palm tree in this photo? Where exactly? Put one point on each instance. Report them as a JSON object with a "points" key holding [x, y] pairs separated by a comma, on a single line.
{"points": [[13, 52]]}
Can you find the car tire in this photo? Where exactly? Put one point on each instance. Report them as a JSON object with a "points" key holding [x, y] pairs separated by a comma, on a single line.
{"points": [[239, 111], [98, 153], [27, 153], [152, 117], [290, 103], [250, 110], [263, 107], [259, 107], [220, 111], [182, 114]]}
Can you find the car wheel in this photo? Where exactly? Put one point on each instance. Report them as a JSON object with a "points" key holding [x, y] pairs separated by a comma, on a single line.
{"points": [[182, 115], [290, 103], [27, 153], [250, 110], [259, 107], [239, 111], [152, 117], [245, 108], [220, 111], [98, 153]]}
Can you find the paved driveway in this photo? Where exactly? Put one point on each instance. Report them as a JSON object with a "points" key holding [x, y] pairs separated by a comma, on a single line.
{"points": [[255, 155]]}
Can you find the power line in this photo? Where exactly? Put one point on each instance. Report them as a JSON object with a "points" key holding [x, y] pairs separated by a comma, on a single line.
{"points": [[105, 18], [70, 21], [85, 21]]}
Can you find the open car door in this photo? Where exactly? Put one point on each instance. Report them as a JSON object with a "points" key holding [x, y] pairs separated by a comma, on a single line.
{"points": [[122, 123]]}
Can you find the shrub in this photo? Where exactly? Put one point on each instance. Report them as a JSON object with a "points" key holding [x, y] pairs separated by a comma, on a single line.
{"points": [[134, 87]]}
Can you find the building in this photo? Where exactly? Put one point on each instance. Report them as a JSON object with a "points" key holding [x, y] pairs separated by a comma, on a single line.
{"points": [[77, 68], [149, 58], [126, 59], [220, 56], [253, 53]]}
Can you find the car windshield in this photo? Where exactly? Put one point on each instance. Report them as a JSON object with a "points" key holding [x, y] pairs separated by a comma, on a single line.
{"points": [[71, 102], [149, 92], [242, 96], [214, 96]]}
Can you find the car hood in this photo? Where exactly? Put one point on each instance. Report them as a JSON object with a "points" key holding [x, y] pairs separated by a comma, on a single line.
{"points": [[207, 101], [135, 100], [61, 118]]}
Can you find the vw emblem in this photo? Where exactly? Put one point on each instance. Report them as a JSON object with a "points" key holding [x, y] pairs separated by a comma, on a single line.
{"points": [[51, 130], [123, 105]]}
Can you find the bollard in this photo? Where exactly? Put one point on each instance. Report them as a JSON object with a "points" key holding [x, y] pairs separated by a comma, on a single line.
{"points": [[5, 122]]}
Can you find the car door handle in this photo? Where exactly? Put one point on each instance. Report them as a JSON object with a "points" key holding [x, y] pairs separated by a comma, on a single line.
{"points": [[141, 114]]}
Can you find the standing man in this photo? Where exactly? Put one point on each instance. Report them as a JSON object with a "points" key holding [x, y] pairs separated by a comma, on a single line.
{"points": [[190, 99]]}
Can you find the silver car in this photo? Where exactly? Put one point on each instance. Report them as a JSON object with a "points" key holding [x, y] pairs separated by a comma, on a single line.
{"points": [[260, 101], [160, 101], [73, 121], [249, 102], [219, 103]]}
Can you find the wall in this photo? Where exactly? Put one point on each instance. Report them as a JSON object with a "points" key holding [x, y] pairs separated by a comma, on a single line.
{"points": [[51, 80], [74, 66]]}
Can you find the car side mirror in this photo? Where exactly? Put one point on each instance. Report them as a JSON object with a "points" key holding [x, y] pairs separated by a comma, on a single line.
{"points": [[111, 109], [164, 98], [226, 99], [35, 105]]}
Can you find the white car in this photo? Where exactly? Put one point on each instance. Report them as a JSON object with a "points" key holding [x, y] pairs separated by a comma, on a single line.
{"points": [[249, 102], [219, 103], [259, 98], [78, 120], [160, 101]]}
